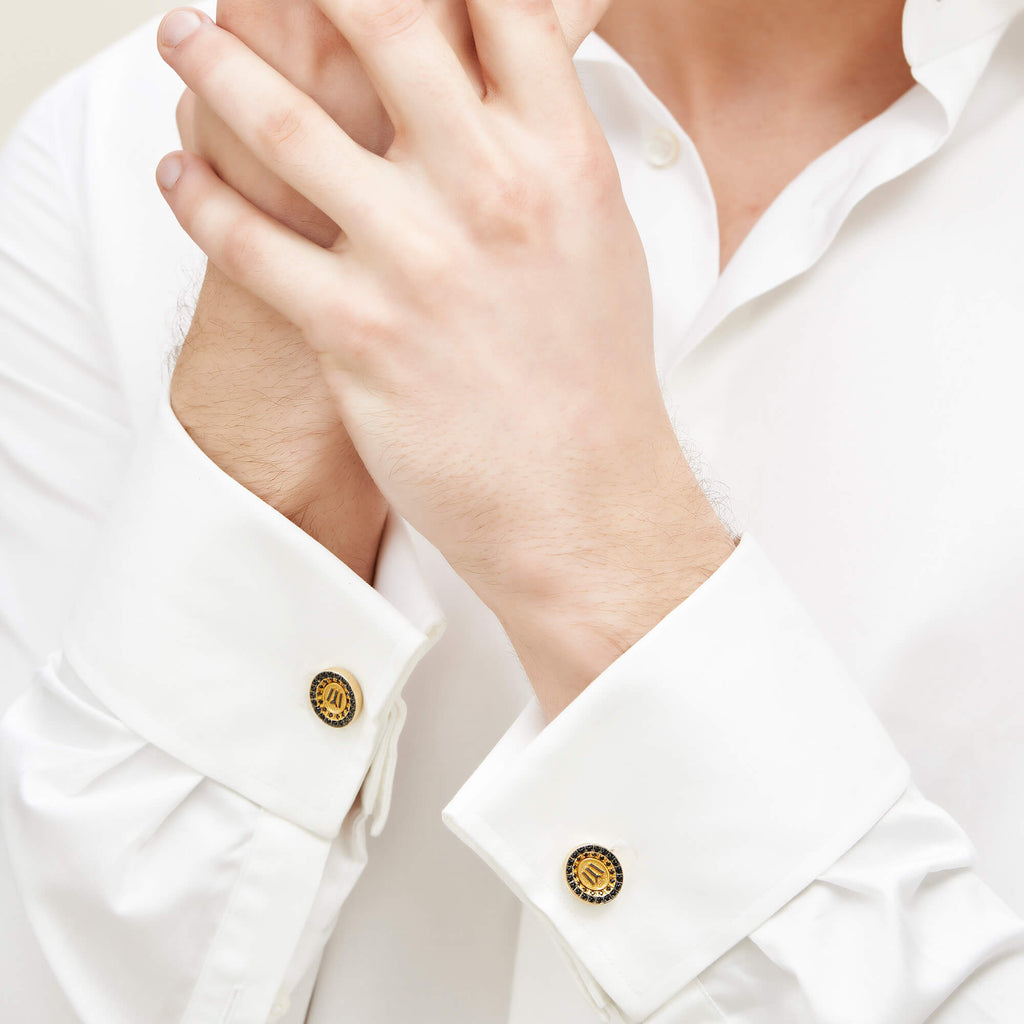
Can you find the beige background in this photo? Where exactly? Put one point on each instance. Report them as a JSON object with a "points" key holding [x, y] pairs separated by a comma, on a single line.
{"points": [[42, 39]]}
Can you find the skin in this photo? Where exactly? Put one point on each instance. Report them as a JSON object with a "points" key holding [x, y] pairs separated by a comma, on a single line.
{"points": [[495, 228], [246, 385], [762, 89]]}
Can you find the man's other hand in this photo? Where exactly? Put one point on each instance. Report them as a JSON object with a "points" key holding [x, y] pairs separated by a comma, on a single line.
{"points": [[485, 323]]}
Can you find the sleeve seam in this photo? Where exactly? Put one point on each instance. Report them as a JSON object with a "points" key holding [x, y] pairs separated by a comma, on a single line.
{"points": [[710, 1001]]}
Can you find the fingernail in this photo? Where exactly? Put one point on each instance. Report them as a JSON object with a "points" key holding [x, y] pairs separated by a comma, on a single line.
{"points": [[168, 171], [178, 25]]}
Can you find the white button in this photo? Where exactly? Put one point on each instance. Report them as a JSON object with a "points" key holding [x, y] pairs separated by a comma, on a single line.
{"points": [[661, 148], [282, 1004]]}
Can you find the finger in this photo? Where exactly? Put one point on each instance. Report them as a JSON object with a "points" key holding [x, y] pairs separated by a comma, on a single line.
{"points": [[185, 115], [524, 55], [265, 258], [579, 18], [422, 84], [286, 130]]}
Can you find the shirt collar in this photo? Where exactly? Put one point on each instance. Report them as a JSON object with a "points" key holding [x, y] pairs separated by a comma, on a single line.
{"points": [[933, 30], [948, 44]]}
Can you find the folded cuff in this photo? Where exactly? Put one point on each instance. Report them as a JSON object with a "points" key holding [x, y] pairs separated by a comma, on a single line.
{"points": [[725, 760], [209, 614]]}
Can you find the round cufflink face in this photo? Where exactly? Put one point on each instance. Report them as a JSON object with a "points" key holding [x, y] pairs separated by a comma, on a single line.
{"points": [[594, 874], [336, 698]]}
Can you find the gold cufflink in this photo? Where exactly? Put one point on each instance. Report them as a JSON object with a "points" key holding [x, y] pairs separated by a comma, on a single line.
{"points": [[594, 874], [336, 697]]}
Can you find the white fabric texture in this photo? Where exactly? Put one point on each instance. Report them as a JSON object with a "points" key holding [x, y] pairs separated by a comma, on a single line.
{"points": [[192, 844]]}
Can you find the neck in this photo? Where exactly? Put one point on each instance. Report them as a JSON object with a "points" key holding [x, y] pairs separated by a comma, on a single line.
{"points": [[699, 55], [762, 87]]}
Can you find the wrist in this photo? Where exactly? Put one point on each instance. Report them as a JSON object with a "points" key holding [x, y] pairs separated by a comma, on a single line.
{"points": [[570, 616], [249, 393]]}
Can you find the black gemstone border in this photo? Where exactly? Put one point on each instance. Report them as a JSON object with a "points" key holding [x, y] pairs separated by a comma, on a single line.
{"points": [[577, 889], [349, 693]]}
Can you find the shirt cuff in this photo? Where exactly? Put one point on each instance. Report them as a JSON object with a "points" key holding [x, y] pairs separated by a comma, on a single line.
{"points": [[209, 614], [725, 760]]}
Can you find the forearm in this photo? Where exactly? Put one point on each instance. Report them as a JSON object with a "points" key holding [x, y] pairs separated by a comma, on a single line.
{"points": [[250, 394], [619, 570]]}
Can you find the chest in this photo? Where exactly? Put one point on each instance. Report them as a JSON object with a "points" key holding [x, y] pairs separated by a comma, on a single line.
{"points": [[863, 420]]}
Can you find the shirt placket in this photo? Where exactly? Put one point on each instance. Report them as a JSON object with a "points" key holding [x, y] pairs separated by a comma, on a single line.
{"points": [[669, 194]]}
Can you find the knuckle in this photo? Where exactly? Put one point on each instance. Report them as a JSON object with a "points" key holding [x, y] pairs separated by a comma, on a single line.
{"points": [[241, 255], [431, 268], [358, 347], [510, 204], [601, 176], [203, 67], [511, 193], [355, 320], [335, 309], [591, 170], [384, 19], [367, 336], [280, 130], [506, 195]]}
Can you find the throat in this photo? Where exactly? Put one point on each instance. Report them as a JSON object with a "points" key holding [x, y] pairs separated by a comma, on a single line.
{"points": [[762, 89]]}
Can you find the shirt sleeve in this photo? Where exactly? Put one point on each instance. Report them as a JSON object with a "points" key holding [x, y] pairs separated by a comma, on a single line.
{"points": [[182, 827], [64, 440], [209, 615], [777, 866]]}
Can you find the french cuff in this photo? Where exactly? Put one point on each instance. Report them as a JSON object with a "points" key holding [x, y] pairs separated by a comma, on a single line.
{"points": [[208, 617], [725, 761]]}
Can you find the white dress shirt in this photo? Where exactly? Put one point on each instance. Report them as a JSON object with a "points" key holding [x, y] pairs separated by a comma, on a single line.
{"points": [[192, 843]]}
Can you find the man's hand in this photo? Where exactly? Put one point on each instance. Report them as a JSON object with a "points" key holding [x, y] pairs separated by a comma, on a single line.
{"points": [[246, 385], [297, 39], [484, 324]]}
